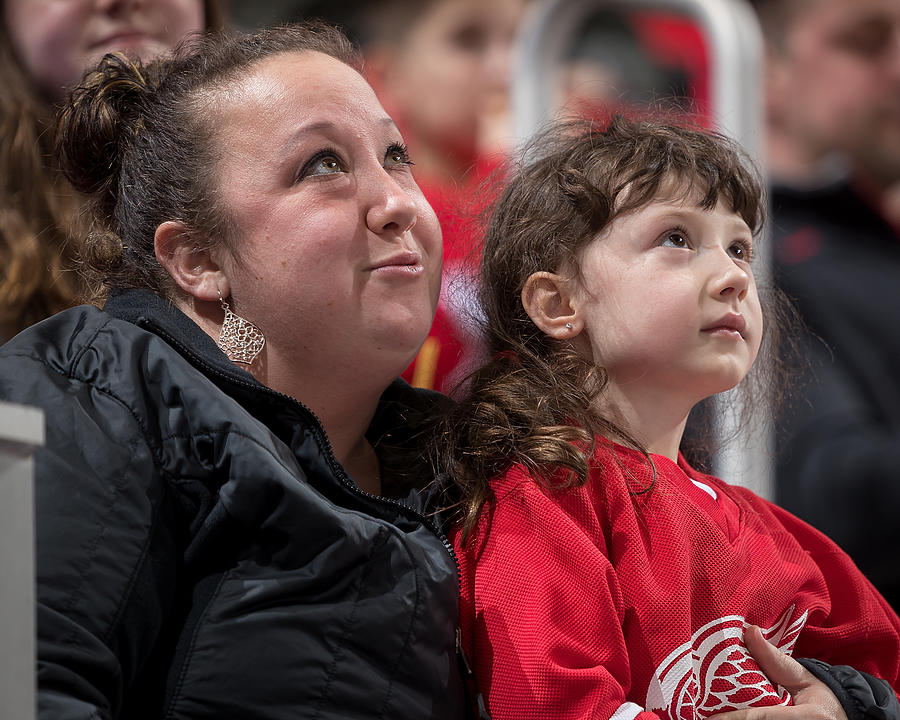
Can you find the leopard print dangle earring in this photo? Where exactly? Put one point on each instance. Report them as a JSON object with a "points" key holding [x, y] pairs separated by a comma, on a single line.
{"points": [[239, 338]]}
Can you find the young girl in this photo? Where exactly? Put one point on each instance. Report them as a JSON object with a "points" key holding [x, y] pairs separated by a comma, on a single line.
{"points": [[602, 576]]}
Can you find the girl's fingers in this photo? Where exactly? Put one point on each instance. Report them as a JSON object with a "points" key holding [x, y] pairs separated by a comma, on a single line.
{"points": [[780, 668], [812, 700]]}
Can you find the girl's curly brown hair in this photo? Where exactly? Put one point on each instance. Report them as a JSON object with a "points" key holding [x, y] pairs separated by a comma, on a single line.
{"points": [[535, 402]]}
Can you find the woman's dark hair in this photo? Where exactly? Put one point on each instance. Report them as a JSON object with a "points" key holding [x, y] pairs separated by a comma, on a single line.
{"points": [[535, 402], [140, 141], [38, 209]]}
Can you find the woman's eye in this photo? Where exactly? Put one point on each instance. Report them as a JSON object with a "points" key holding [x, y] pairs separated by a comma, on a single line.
{"points": [[676, 239], [397, 155], [330, 165], [326, 163]]}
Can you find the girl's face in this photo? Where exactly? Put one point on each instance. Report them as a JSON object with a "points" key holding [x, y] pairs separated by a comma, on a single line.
{"points": [[339, 252], [667, 301], [57, 40]]}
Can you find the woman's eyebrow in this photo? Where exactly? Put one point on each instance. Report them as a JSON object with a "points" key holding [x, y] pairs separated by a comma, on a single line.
{"points": [[325, 126]]}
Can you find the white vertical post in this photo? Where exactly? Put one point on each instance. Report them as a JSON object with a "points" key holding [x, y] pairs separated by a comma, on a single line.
{"points": [[21, 433]]}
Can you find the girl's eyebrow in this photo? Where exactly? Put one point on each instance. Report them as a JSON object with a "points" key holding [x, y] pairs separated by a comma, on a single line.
{"points": [[673, 212], [737, 225]]}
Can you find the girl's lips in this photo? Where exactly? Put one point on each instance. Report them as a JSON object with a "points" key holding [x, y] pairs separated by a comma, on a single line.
{"points": [[730, 325], [724, 332]]}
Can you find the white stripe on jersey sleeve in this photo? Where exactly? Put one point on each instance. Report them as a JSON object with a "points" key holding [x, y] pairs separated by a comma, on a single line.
{"points": [[627, 711]]}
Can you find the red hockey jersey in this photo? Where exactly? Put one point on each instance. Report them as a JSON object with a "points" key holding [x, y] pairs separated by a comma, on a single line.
{"points": [[606, 602]]}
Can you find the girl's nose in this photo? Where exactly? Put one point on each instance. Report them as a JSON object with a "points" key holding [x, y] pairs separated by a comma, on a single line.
{"points": [[730, 279]]}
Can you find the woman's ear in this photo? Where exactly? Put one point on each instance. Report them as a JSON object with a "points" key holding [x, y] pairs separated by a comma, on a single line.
{"points": [[193, 269], [547, 298]]}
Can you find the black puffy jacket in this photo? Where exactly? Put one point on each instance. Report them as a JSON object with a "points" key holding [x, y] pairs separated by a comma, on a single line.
{"points": [[201, 553]]}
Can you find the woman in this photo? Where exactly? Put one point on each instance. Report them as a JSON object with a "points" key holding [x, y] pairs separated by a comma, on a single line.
{"points": [[227, 522], [45, 47]]}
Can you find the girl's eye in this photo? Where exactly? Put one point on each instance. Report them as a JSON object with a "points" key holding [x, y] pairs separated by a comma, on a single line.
{"points": [[741, 251], [322, 163], [397, 155], [675, 239]]}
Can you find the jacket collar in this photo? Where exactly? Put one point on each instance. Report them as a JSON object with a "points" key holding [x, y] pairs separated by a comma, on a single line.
{"points": [[404, 417], [151, 312]]}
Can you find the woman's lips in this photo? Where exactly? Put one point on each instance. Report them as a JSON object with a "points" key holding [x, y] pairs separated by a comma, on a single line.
{"points": [[408, 260]]}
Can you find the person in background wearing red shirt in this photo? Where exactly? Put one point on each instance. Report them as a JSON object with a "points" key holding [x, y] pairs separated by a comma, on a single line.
{"points": [[445, 79]]}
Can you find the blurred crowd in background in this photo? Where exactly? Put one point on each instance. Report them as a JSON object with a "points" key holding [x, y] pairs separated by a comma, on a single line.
{"points": [[443, 70]]}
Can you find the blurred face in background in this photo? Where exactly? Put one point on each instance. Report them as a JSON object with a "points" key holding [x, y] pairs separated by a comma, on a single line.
{"points": [[835, 82], [447, 78], [57, 40]]}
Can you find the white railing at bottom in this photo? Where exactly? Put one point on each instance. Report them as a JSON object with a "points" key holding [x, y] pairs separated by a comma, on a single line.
{"points": [[21, 433]]}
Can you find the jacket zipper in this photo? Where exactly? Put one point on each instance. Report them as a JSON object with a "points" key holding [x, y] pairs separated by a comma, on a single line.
{"points": [[341, 474], [336, 468]]}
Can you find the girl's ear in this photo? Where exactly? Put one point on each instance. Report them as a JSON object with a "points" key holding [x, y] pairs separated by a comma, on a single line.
{"points": [[194, 270], [547, 298]]}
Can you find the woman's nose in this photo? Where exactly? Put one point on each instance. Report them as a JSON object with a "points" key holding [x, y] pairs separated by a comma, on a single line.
{"points": [[392, 208]]}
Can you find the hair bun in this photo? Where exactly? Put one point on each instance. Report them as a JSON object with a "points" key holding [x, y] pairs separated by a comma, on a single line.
{"points": [[103, 115]]}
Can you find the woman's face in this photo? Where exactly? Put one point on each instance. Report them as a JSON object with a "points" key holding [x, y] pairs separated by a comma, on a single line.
{"points": [[57, 40], [339, 253]]}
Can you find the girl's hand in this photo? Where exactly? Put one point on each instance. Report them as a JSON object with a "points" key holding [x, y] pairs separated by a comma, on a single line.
{"points": [[812, 698]]}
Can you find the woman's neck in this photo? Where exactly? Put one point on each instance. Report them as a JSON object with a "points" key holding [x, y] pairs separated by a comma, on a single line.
{"points": [[344, 402], [363, 466], [343, 398]]}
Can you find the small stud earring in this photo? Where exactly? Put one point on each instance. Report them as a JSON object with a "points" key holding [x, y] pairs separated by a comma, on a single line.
{"points": [[239, 339], [568, 326]]}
